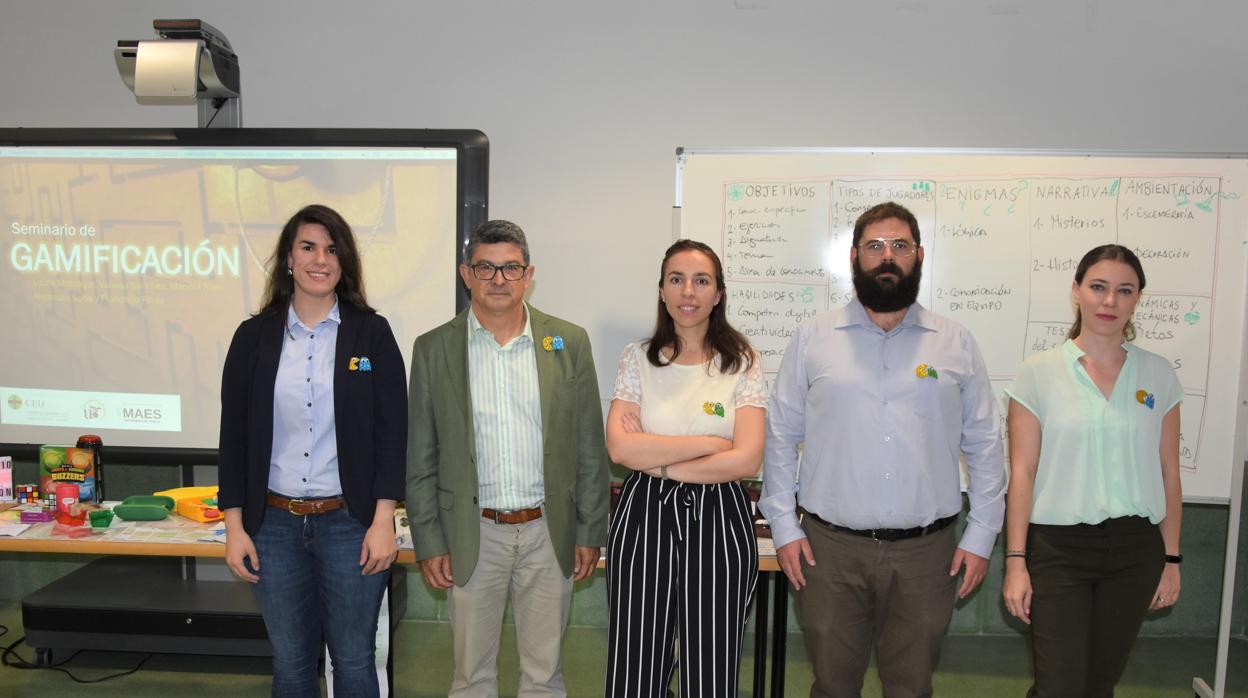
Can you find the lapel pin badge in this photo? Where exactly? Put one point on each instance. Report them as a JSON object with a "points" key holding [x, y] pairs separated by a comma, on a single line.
{"points": [[552, 343], [713, 408], [1145, 398], [353, 364], [925, 371]]}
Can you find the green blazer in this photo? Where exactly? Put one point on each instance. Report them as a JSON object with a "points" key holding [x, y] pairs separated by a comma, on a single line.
{"points": [[441, 453]]}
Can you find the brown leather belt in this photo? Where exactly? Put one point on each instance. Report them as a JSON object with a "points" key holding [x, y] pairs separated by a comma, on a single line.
{"points": [[514, 516], [305, 507]]}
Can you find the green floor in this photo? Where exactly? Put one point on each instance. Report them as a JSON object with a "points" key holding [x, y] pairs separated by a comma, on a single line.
{"points": [[972, 666]]}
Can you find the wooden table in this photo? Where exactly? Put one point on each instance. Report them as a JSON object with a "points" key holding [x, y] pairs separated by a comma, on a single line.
{"points": [[771, 582]]}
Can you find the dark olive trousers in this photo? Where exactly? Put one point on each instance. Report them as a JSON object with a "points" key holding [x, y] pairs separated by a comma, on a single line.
{"points": [[894, 597], [1092, 585]]}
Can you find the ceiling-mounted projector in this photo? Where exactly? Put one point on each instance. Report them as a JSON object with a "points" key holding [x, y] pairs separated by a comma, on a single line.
{"points": [[191, 60]]}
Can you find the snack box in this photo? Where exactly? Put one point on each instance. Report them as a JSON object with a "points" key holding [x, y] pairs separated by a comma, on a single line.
{"points": [[67, 464], [38, 516]]}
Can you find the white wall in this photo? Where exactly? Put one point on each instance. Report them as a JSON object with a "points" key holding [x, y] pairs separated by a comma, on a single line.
{"points": [[585, 102]]}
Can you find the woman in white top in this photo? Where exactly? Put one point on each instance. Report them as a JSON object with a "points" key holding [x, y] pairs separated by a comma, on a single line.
{"points": [[1094, 504], [682, 561]]}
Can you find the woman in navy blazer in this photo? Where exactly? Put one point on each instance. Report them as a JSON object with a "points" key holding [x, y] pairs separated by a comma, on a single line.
{"points": [[312, 456]]}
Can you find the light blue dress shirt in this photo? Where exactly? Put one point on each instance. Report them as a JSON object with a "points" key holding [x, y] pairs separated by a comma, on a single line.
{"points": [[305, 445], [880, 443], [506, 418]]}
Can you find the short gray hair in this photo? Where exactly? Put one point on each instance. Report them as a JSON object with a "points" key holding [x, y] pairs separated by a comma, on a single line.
{"points": [[494, 232]]}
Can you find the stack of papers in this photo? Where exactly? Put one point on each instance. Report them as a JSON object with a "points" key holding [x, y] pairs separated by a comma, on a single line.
{"points": [[12, 529]]}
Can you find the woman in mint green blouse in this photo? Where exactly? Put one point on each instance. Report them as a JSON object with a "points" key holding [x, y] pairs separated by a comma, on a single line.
{"points": [[1094, 504]]}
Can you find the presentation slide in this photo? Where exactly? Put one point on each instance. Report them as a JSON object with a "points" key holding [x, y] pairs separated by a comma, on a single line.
{"points": [[127, 270]]}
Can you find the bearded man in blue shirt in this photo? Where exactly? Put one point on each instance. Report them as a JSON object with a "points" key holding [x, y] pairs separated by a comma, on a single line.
{"points": [[882, 397]]}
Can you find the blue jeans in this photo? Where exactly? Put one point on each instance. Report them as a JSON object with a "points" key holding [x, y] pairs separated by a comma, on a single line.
{"points": [[311, 588]]}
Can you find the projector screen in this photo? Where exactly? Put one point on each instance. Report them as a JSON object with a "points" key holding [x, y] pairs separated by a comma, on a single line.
{"points": [[127, 266]]}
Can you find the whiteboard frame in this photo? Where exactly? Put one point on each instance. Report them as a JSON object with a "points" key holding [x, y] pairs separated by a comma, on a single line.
{"points": [[683, 152], [1239, 451]]}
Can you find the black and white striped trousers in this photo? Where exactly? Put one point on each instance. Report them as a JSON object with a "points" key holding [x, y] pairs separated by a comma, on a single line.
{"points": [[682, 562]]}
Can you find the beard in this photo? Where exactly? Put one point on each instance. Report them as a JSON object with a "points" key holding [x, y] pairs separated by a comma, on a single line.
{"points": [[887, 295]]}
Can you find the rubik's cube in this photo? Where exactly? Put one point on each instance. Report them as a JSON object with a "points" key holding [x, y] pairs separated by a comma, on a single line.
{"points": [[49, 500], [28, 494]]}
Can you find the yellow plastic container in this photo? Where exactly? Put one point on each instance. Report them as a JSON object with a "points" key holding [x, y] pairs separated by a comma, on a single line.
{"points": [[190, 502]]}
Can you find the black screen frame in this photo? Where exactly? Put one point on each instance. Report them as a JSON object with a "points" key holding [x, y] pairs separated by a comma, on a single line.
{"points": [[472, 198]]}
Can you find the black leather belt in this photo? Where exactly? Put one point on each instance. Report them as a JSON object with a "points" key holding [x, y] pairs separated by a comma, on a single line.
{"points": [[887, 534], [1117, 522]]}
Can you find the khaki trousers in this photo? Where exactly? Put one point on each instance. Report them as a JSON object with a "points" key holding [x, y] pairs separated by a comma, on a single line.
{"points": [[896, 597], [516, 562]]}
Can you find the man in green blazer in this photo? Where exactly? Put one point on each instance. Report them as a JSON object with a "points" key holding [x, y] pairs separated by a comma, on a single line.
{"points": [[507, 480]]}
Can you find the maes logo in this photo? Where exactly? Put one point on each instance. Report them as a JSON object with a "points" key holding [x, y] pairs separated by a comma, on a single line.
{"points": [[142, 414]]}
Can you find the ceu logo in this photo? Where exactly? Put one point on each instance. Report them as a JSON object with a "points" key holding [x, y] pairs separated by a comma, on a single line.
{"points": [[15, 401], [925, 371], [92, 409], [1145, 398]]}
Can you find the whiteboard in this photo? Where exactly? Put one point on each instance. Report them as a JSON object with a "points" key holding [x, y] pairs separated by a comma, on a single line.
{"points": [[1003, 232]]}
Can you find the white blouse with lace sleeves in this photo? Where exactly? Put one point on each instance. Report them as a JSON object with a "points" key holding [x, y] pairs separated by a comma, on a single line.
{"points": [[687, 400], [751, 388], [628, 375]]}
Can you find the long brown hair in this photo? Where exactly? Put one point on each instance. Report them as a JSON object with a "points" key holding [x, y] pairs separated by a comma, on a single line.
{"points": [[280, 286], [1111, 253], [722, 340]]}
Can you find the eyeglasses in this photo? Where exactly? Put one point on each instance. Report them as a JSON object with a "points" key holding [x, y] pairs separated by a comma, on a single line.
{"points": [[875, 248], [486, 271]]}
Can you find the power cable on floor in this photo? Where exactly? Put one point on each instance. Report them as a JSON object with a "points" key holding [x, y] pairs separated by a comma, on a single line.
{"points": [[21, 663]]}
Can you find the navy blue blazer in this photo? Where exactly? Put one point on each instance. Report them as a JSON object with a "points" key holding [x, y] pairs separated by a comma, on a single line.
{"points": [[370, 414]]}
